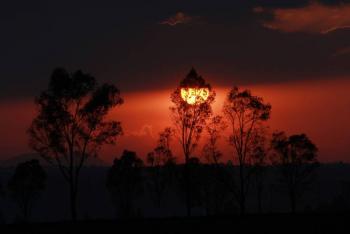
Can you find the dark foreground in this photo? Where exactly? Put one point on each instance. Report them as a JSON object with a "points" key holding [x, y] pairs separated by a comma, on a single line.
{"points": [[269, 223]]}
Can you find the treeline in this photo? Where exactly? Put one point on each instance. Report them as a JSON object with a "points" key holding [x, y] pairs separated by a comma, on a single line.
{"points": [[137, 187], [71, 126]]}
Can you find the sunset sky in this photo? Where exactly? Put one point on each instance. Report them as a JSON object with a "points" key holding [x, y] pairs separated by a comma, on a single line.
{"points": [[295, 54]]}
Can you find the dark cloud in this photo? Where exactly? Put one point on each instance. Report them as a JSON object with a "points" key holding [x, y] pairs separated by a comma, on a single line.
{"points": [[312, 18], [123, 43]]}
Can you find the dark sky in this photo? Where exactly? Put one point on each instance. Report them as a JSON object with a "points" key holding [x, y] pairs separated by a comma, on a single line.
{"points": [[145, 45]]}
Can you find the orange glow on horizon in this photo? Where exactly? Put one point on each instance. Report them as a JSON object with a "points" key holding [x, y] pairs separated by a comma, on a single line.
{"points": [[298, 107]]}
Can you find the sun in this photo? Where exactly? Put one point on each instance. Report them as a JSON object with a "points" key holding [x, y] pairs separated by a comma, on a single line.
{"points": [[194, 95]]}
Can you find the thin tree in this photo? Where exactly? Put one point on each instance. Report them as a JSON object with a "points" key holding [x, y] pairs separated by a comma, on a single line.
{"points": [[189, 118], [214, 130], [296, 155], [26, 184], [161, 162], [2, 195], [125, 182], [71, 124], [196, 183], [215, 190], [259, 162], [245, 113], [2, 191]]}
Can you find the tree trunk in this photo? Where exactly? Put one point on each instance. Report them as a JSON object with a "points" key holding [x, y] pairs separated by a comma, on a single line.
{"points": [[188, 186], [242, 194], [292, 201], [26, 211], [259, 199], [73, 201], [25, 215], [159, 191]]}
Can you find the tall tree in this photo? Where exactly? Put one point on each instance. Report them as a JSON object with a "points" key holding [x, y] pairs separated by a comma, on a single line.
{"points": [[2, 195], [2, 192], [191, 108], [196, 183], [245, 114], [296, 155], [71, 124], [26, 184], [215, 189], [161, 162], [124, 182], [214, 129], [259, 161], [162, 153]]}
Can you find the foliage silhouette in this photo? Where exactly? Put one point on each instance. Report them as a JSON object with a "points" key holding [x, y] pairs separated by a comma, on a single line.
{"points": [[245, 114], [161, 166], [297, 157], [211, 187], [189, 121], [125, 182], [71, 124], [26, 184]]}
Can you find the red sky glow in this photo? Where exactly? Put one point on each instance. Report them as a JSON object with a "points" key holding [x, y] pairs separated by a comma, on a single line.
{"points": [[318, 108]]}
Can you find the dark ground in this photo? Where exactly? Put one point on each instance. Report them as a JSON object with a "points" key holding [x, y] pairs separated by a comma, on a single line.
{"points": [[330, 193], [268, 223]]}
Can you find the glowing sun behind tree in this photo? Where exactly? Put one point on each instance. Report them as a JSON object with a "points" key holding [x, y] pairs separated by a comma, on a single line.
{"points": [[195, 95], [191, 108]]}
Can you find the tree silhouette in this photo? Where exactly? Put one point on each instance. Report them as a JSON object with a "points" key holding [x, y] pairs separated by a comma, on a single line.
{"points": [[214, 131], [161, 165], [259, 161], [2, 195], [297, 157], [189, 120], [196, 183], [125, 182], [2, 192], [71, 124], [215, 188], [26, 184], [245, 114]]}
